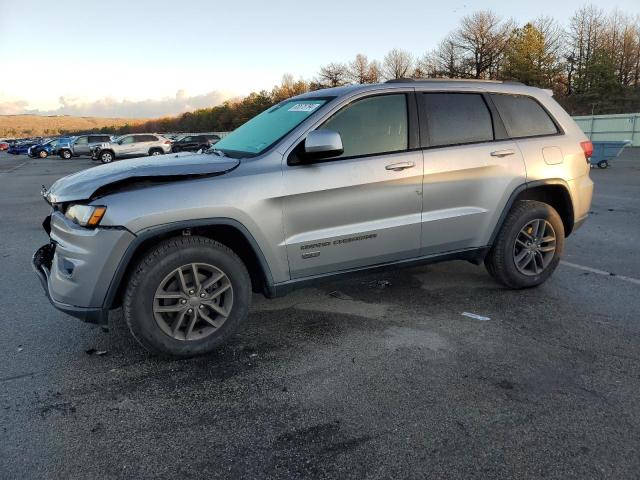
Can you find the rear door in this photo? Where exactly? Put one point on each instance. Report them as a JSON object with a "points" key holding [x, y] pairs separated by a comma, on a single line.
{"points": [[143, 144], [470, 170], [363, 207]]}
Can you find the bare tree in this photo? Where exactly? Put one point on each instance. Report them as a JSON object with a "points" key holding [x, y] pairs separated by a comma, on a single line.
{"points": [[397, 64], [288, 88], [375, 72], [426, 66], [449, 61], [359, 69], [482, 37], [333, 75], [586, 29]]}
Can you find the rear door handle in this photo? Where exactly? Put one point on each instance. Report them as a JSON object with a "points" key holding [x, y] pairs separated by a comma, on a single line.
{"points": [[502, 153], [396, 167]]}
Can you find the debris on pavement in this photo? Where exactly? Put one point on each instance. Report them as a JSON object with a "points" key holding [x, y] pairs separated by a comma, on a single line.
{"points": [[475, 316], [380, 283], [93, 351]]}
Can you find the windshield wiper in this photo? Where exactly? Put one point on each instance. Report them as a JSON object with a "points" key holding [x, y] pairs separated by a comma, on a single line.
{"points": [[220, 153]]}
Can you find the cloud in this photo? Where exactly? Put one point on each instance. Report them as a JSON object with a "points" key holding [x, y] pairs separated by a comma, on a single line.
{"points": [[13, 107], [111, 107]]}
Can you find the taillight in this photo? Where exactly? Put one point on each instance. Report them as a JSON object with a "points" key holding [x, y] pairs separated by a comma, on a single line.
{"points": [[167, 142], [587, 148]]}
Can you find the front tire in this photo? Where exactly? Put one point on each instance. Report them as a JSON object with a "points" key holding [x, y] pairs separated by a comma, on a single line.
{"points": [[528, 247], [43, 154], [186, 297], [106, 157], [66, 154]]}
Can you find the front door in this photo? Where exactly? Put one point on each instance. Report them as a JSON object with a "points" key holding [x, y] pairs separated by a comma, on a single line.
{"points": [[81, 146], [363, 207]]}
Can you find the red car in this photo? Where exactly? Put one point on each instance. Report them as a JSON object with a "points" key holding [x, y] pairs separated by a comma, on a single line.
{"points": [[4, 146]]}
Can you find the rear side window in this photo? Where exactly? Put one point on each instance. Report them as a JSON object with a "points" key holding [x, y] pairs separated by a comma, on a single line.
{"points": [[145, 138], [523, 116], [371, 126], [457, 118]]}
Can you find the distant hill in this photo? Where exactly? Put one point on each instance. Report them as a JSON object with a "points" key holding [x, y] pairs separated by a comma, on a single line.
{"points": [[40, 125]]}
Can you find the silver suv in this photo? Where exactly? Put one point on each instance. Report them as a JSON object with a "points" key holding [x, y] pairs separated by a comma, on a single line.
{"points": [[134, 145], [81, 145], [331, 182]]}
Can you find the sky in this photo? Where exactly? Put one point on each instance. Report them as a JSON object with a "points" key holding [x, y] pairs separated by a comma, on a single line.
{"points": [[141, 58]]}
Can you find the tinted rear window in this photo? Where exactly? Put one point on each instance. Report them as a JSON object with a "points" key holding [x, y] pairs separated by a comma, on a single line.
{"points": [[523, 116], [457, 118]]}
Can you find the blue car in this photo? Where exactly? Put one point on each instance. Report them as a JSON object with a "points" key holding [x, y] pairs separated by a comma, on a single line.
{"points": [[20, 148], [43, 150]]}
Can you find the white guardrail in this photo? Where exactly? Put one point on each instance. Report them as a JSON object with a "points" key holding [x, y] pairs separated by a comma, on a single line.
{"points": [[611, 127]]}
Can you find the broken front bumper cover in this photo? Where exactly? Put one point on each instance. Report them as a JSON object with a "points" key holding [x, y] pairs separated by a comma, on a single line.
{"points": [[41, 262]]}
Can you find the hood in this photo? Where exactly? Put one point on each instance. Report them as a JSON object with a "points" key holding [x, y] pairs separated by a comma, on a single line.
{"points": [[162, 168]]}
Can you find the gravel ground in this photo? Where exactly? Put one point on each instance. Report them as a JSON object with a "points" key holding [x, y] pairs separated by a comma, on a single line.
{"points": [[353, 379]]}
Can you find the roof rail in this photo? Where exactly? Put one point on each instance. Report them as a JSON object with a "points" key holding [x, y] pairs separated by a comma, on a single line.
{"points": [[444, 79]]}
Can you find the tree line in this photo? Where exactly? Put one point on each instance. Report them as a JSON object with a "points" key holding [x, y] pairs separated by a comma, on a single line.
{"points": [[592, 65]]}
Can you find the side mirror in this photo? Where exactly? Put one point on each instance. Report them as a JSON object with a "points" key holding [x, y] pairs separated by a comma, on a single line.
{"points": [[321, 144]]}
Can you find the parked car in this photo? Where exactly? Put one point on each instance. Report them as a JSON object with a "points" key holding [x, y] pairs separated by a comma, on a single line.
{"points": [[4, 146], [50, 147], [327, 183], [193, 143], [20, 148], [81, 145], [133, 145]]}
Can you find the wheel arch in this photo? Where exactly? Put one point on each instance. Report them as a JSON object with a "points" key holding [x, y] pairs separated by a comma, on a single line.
{"points": [[227, 231], [554, 192]]}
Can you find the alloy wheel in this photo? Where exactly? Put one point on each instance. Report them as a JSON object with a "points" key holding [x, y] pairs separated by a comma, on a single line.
{"points": [[534, 247], [193, 301]]}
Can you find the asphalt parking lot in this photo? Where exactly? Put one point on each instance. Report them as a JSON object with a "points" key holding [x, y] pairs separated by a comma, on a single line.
{"points": [[377, 377]]}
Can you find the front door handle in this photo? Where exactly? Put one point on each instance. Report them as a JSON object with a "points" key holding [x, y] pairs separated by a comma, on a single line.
{"points": [[502, 153], [396, 167]]}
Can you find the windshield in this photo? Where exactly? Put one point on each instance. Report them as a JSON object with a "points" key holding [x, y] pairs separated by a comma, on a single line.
{"points": [[262, 131]]}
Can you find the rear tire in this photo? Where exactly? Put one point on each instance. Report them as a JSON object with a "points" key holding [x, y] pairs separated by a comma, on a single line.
{"points": [[154, 152], [603, 164], [528, 247], [156, 323]]}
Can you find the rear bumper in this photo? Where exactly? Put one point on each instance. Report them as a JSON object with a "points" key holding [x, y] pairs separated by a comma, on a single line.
{"points": [[41, 262]]}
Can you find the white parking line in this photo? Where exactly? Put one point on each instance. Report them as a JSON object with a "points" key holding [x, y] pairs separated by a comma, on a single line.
{"points": [[601, 272]]}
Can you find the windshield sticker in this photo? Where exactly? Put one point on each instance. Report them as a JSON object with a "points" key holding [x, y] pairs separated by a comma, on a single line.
{"points": [[304, 107]]}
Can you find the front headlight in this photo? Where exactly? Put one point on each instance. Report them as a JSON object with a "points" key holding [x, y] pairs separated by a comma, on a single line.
{"points": [[85, 215]]}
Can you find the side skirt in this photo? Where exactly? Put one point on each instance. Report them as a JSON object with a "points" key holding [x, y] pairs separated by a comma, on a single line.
{"points": [[473, 255]]}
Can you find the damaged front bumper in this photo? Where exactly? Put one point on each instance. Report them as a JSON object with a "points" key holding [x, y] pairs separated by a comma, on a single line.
{"points": [[41, 262], [77, 267]]}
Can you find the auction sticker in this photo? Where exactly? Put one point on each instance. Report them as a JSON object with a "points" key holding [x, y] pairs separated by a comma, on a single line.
{"points": [[304, 107]]}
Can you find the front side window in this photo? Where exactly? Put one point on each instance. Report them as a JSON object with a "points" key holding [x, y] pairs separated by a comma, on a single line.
{"points": [[374, 125], [186, 139], [523, 116], [127, 140], [267, 128], [457, 118], [82, 141]]}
